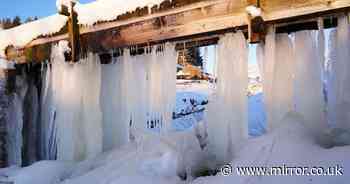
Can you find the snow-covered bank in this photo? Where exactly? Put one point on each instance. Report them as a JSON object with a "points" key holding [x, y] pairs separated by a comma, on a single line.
{"points": [[168, 160], [290, 145]]}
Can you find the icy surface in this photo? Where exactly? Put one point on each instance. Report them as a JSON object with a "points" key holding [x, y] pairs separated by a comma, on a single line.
{"points": [[338, 87], [290, 145], [88, 108], [14, 130], [15, 115], [278, 69], [72, 114], [163, 159], [308, 77], [44, 172], [227, 110]]}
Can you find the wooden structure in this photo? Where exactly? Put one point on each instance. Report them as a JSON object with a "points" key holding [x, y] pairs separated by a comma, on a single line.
{"points": [[198, 22]]}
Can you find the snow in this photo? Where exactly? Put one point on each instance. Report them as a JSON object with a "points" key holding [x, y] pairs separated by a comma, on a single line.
{"points": [[153, 160], [291, 145], [88, 14], [42, 172], [107, 10], [253, 10], [22, 35], [67, 3]]}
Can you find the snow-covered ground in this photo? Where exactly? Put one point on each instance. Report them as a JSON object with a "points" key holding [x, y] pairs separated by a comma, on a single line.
{"points": [[199, 92], [180, 157], [166, 160]]}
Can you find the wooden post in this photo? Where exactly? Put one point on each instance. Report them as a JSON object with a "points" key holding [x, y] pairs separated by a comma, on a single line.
{"points": [[256, 24], [73, 31]]}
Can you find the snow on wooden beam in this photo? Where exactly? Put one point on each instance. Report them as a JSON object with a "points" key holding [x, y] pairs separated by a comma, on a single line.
{"points": [[202, 18]]}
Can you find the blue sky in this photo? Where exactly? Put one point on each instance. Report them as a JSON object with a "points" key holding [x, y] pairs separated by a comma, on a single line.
{"points": [[26, 8]]}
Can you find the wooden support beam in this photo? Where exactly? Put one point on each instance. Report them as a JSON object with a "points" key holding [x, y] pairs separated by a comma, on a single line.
{"points": [[205, 18], [73, 31]]}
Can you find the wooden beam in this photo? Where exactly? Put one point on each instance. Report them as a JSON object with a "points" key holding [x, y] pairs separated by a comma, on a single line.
{"points": [[204, 18]]}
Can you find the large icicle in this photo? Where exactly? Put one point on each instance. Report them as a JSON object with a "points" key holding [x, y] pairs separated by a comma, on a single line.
{"points": [[339, 86], [92, 116], [72, 101], [115, 129], [281, 100], [14, 130], [227, 112], [308, 78], [266, 60], [161, 77]]}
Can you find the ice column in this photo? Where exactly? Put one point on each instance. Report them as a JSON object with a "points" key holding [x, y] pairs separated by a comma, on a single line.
{"points": [[92, 115], [308, 87], [266, 60], [281, 100], [14, 130], [339, 86], [72, 117], [161, 76], [115, 128], [227, 112]]}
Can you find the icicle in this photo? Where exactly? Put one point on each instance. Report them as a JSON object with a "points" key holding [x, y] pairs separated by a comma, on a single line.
{"points": [[227, 112], [72, 116], [338, 95], [266, 59], [14, 130], [308, 78], [30, 136], [92, 116], [281, 100]]}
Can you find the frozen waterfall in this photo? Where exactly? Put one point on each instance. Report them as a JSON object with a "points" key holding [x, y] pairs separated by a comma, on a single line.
{"points": [[308, 88], [227, 112], [339, 77], [89, 107]]}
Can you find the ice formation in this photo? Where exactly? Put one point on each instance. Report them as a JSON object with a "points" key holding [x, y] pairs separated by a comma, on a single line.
{"points": [[14, 129], [308, 77], [72, 114], [88, 108], [276, 60], [338, 95], [227, 112]]}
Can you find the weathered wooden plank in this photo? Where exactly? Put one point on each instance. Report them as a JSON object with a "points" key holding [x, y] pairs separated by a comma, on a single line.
{"points": [[202, 18]]}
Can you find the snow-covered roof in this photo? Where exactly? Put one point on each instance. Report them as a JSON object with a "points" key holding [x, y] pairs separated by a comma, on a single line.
{"points": [[21, 35], [88, 14], [107, 10]]}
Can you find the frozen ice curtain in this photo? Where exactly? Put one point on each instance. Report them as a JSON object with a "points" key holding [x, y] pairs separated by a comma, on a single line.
{"points": [[227, 111], [88, 107]]}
